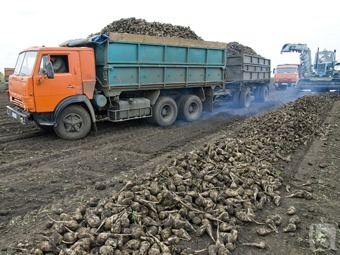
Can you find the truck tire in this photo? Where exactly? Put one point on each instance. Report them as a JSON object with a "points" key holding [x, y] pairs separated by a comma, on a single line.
{"points": [[236, 99], [245, 98], [164, 112], [190, 108], [263, 94], [178, 101], [73, 123]]}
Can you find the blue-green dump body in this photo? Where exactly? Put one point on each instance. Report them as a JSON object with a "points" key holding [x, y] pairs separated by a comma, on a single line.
{"points": [[129, 62]]}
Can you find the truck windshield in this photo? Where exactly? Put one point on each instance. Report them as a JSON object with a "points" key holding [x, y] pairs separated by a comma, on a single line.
{"points": [[286, 70], [25, 63]]}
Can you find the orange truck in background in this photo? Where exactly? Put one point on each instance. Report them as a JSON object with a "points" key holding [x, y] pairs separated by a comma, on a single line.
{"points": [[286, 75]]}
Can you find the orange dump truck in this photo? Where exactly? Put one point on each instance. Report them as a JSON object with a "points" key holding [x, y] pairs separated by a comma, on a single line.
{"points": [[286, 75], [121, 77]]}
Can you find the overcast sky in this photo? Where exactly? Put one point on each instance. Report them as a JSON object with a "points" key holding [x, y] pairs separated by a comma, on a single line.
{"points": [[264, 25]]}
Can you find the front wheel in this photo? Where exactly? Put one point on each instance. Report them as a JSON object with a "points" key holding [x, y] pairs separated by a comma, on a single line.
{"points": [[73, 123], [164, 111]]}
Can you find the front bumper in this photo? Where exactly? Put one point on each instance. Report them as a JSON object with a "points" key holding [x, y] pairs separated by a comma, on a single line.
{"points": [[282, 84], [20, 116]]}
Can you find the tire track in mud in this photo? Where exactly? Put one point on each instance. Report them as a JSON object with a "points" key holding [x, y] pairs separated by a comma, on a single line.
{"points": [[99, 158], [137, 138], [144, 140], [21, 137]]}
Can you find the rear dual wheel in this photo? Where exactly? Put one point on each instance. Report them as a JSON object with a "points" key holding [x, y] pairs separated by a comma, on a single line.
{"points": [[164, 112], [262, 94], [190, 108], [242, 99]]}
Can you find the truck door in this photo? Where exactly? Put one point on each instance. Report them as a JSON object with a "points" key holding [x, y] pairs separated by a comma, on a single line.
{"points": [[48, 93]]}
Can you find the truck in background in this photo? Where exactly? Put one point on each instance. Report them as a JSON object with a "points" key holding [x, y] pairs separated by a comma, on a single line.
{"points": [[124, 76], [286, 75]]}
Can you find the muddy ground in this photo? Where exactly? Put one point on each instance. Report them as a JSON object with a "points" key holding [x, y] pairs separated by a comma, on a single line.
{"points": [[41, 175]]}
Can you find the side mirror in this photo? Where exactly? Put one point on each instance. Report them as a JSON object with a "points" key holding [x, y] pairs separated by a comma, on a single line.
{"points": [[274, 70], [49, 70]]}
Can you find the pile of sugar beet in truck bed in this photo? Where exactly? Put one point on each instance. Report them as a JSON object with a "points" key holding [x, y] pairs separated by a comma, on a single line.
{"points": [[143, 27]]}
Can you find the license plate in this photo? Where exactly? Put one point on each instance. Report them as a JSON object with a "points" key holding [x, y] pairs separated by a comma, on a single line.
{"points": [[14, 115]]}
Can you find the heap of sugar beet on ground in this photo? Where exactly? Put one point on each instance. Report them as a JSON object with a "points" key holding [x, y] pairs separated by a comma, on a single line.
{"points": [[210, 191], [143, 27]]}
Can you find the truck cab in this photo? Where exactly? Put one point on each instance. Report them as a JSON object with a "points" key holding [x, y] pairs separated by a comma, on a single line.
{"points": [[286, 75], [35, 93]]}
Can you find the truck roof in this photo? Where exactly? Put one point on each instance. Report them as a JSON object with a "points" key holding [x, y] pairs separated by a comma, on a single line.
{"points": [[43, 48]]}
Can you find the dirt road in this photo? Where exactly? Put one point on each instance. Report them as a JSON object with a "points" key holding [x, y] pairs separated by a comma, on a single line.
{"points": [[41, 174]]}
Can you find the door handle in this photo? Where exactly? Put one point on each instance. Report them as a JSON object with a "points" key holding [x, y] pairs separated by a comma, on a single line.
{"points": [[70, 86]]}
